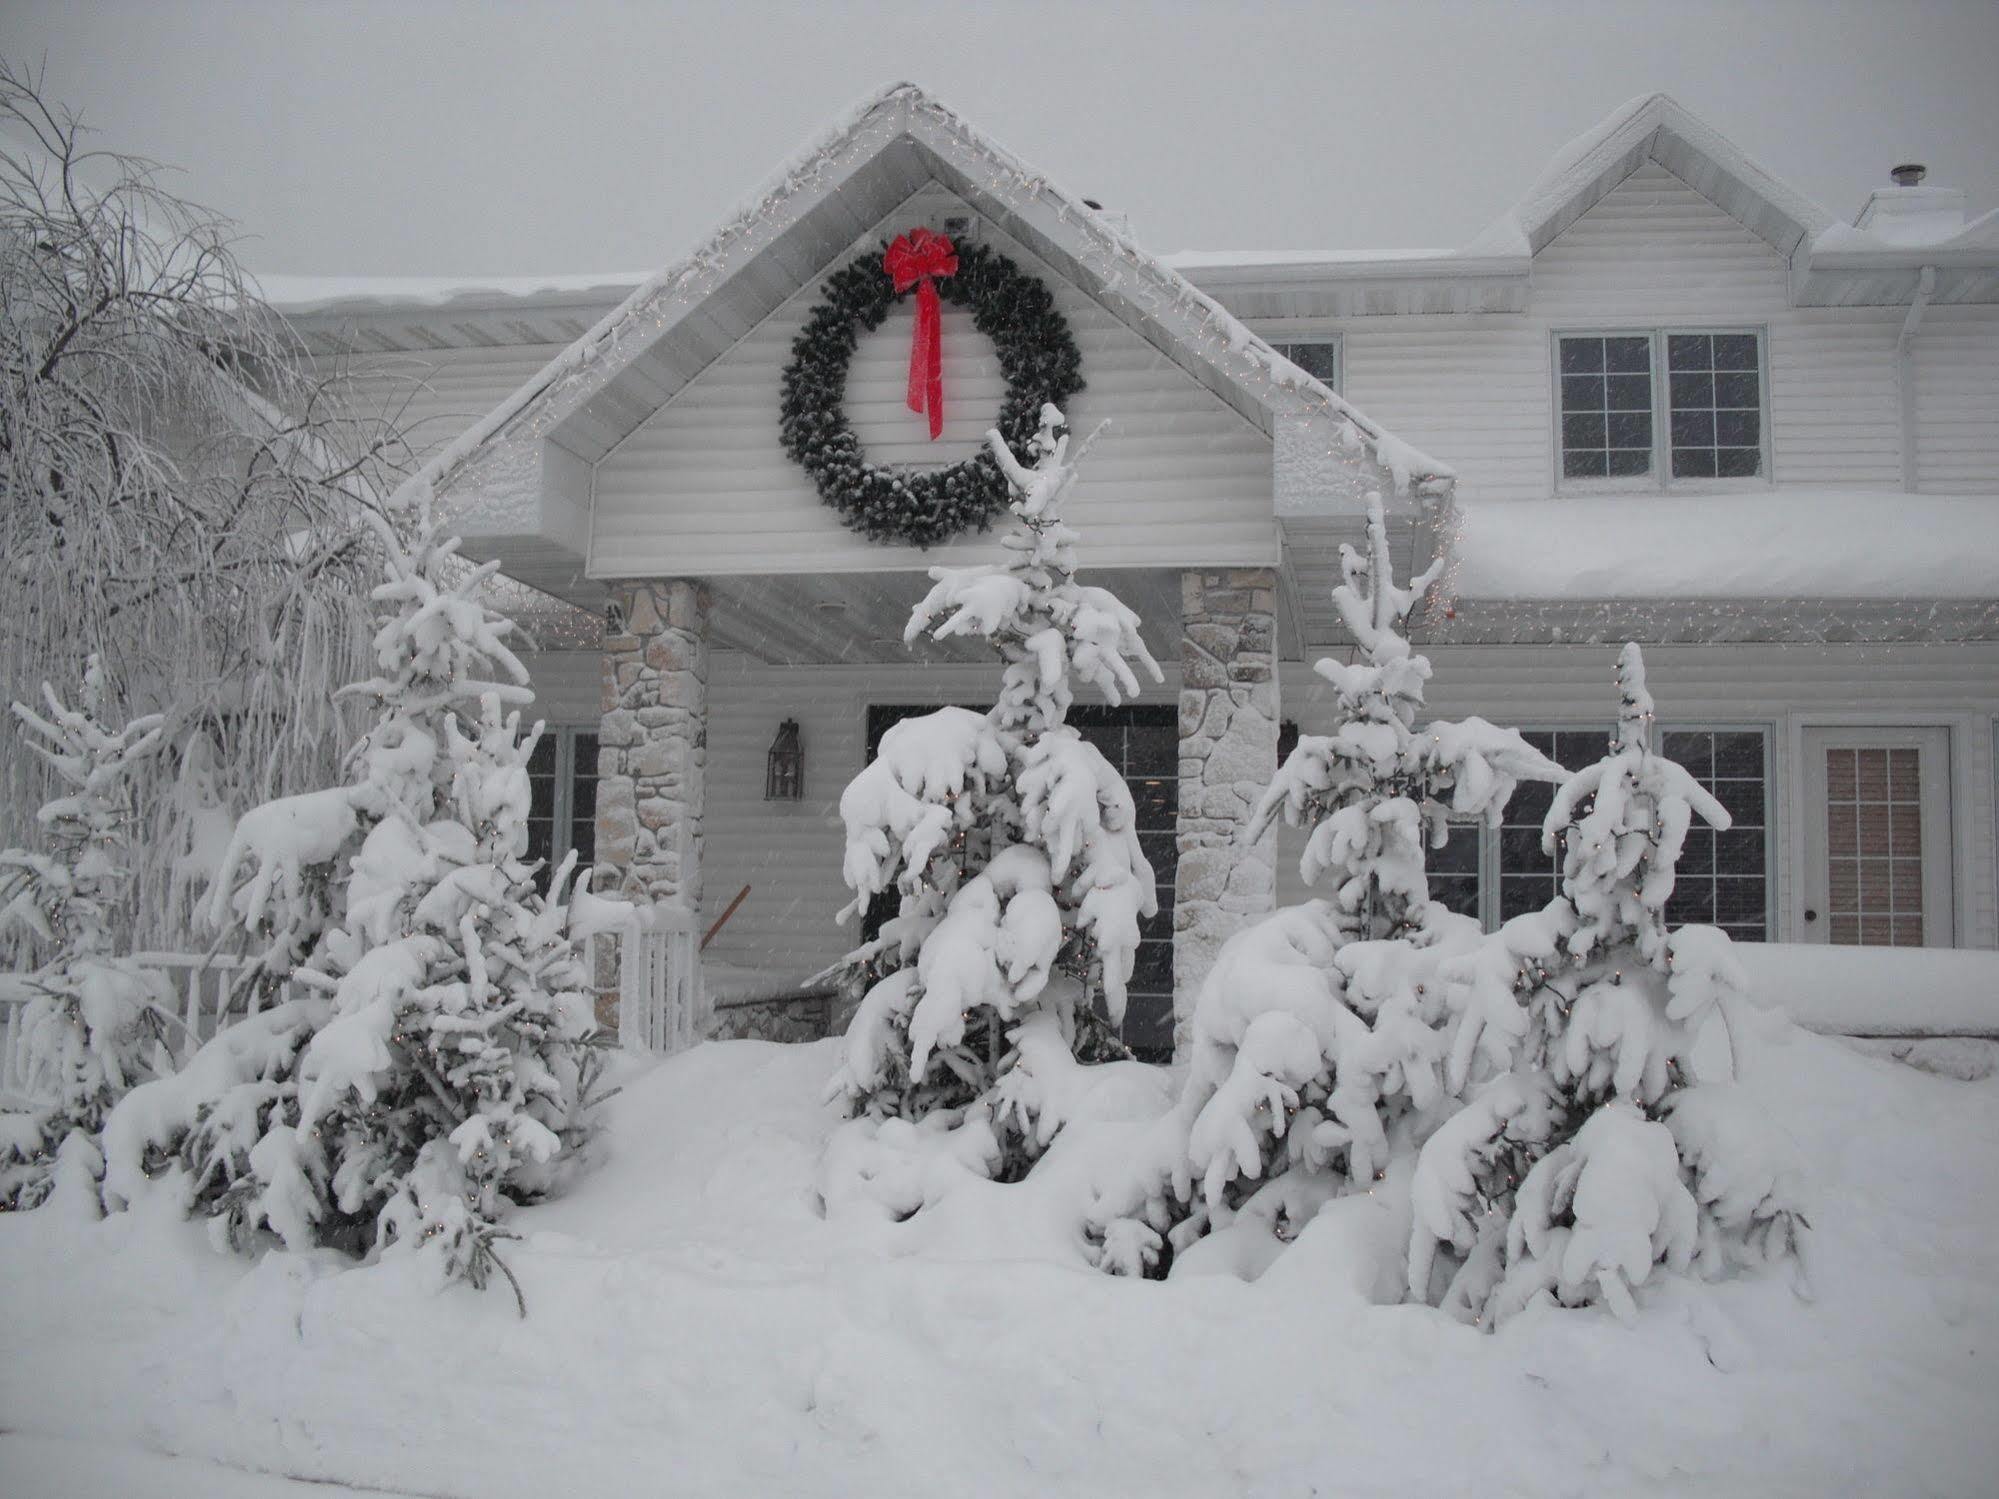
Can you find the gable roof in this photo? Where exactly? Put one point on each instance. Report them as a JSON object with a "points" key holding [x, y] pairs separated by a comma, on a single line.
{"points": [[678, 321], [1653, 127]]}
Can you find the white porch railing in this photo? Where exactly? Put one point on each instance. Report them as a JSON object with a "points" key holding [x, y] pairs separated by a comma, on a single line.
{"points": [[201, 984], [656, 965], [658, 983]]}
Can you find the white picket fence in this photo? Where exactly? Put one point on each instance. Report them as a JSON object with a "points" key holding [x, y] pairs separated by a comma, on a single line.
{"points": [[654, 967], [661, 1002]]}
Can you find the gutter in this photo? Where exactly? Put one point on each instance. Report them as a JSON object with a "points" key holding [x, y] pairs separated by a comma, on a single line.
{"points": [[1905, 371]]}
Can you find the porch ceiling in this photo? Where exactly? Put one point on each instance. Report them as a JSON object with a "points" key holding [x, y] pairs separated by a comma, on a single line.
{"points": [[857, 619], [853, 619]]}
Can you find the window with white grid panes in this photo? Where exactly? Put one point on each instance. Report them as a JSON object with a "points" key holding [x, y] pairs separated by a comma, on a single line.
{"points": [[1874, 852], [562, 797], [1660, 408], [1454, 870], [1317, 357], [1527, 879], [1606, 406], [1721, 879], [1714, 390]]}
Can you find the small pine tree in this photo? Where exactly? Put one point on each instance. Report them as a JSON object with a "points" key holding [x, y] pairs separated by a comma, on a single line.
{"points": [[1320, 1028], [93, 1020], [436, 1068], [1008, 839], [1586, 1157]]}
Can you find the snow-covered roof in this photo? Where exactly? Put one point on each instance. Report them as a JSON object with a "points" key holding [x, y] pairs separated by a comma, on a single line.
{"points": [[1780, 544], [1932, 236], [878, 149], [305, 295], [1833, 262], [1197, 260], [1659, 128]]}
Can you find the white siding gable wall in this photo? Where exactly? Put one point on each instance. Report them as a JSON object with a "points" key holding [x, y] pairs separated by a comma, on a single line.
{"points": [[704, 488], [1479, 389]]}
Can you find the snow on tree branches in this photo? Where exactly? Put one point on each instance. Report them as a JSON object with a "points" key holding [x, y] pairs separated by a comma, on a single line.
{"points": [[1586, 1155], [92, 1019], [181, 486], [1009, 844], [1321, 1027], [435, 1068]]}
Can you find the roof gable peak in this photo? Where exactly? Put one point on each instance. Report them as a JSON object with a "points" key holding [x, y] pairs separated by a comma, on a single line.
{"points": [[1652, 127], [877, 153]]}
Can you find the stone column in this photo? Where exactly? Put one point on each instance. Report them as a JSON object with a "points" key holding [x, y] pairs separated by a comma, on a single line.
{"points": [[653, 741], [1228, 755]]}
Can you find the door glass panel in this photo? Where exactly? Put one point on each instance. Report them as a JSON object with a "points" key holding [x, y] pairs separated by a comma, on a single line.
{"points": [[1874, 845]]}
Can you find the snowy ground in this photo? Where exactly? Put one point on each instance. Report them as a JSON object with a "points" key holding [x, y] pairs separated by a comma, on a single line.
{"points": [[697, 1327]]}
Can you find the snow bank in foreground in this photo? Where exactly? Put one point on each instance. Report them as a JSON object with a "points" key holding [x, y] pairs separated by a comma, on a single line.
{"points": [[1787, 544], [1877, 991], [695, 1326]]}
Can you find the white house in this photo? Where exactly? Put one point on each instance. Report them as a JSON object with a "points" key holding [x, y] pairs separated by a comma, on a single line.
{"points": [[1679, 402]]}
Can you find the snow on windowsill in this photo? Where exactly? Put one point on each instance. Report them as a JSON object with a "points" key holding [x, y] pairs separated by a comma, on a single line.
{"points": [[1772, 545]]}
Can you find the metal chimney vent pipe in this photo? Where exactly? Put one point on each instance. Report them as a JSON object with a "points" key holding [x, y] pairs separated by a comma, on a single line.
{"points": [[1909, 174]]}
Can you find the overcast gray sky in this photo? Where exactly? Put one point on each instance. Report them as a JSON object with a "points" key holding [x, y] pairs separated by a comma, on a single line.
{"points": [[430, 138]]}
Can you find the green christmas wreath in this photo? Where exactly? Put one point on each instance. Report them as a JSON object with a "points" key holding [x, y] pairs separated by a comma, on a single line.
{"points": [[1037, 355]]}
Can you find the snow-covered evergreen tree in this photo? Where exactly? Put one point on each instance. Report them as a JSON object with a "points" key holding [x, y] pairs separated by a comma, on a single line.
{"points": [[1008, 841], [436, 1068], [1585, 1155], [92, 1019], [1320, 1027]]}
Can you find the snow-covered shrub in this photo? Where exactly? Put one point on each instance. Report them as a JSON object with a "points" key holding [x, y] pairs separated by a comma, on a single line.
{"points": [[1007, 841], [1320, 1028], [1586, 1155], [435, 1069], [91, 1020]]}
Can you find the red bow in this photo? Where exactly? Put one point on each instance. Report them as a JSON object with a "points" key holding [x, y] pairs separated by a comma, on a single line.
{"points": [[914, 259]]}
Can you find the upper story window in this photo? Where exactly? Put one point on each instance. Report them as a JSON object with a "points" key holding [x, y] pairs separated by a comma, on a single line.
{"points": [[1622, 426], [1317, 357]]}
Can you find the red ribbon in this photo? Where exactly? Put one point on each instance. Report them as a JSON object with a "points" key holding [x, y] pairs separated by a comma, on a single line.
{"points": [[917, 259]]}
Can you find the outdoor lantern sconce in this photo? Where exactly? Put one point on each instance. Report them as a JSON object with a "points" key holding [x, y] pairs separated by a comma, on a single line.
{"points": [[784, 772]]}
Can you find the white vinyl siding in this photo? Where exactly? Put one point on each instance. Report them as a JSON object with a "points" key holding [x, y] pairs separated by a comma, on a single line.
{"points": [[789, 852], [437, 395], [1479, 390], [1956, 356], [704, 487]]}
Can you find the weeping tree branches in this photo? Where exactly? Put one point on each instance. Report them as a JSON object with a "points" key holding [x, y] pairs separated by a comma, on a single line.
{"points": [[180, 488]]}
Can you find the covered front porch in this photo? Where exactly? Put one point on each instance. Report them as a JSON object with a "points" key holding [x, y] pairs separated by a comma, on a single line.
{"points": [[699, 677]]}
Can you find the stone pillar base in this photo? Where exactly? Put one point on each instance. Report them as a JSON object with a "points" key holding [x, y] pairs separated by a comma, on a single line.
{"points": [[653, 741], [1228, 756]]}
